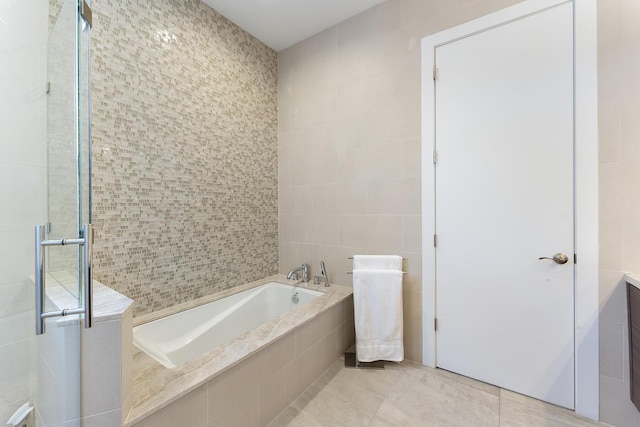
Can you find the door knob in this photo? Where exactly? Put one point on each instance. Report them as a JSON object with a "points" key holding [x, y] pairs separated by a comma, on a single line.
{"points": [[558, 258]]}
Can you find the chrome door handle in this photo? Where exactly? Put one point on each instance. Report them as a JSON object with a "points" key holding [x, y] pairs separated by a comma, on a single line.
{"points": [[558, 258]]}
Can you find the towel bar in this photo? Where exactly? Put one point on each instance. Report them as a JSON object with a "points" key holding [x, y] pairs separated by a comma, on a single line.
{"points": [[351, 272]]}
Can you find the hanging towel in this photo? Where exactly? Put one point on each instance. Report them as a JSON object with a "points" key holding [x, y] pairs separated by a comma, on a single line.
{"points": [[377, 303], [377, 262]]}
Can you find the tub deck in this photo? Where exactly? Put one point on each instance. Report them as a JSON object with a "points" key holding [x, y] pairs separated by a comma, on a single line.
{"points": [[155, 387]]}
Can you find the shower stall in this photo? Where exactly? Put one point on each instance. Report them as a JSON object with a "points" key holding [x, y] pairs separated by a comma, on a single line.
{"points": [[45, 181]]}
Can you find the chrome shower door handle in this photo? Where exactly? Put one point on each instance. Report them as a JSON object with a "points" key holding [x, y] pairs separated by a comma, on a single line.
{"points": [[87, 253], [558, 258], [88, 275], [40, 261]]}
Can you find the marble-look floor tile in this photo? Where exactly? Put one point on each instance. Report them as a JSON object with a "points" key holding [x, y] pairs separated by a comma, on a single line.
{"points": [[488, 388], [381, 422], [331, 410], [293, 417], [517, 410], [423, 395], [352, 386], [413, 395]]}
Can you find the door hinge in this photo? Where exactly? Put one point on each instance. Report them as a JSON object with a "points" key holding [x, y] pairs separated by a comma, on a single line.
{"points": [[435, 157], [435, 240], [435, 73], [48, 87], [435, 325], [85, 12], [575, 258]]}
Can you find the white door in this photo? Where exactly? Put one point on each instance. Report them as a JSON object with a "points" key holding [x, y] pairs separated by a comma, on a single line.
{"points": [[504, 198]]}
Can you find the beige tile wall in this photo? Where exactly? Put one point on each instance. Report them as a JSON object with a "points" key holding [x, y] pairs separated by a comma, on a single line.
{"points": [[619, 123], [23, 186], [95, 386], [256, 390], [184, 152], [56, 373], [350, 156], [349, 149]]}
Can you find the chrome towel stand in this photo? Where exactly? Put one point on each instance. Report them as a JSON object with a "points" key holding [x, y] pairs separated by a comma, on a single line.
{"points": [[351, 356]]}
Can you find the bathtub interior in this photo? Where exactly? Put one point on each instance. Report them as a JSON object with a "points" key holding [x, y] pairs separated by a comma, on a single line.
{"points": [[181, 337]]}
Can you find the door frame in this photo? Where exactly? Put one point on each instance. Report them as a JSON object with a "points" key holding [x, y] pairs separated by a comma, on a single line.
{"points": [[585, 188]]}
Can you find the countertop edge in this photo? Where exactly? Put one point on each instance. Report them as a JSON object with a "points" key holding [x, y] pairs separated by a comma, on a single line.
{"points": [[632, 279]]}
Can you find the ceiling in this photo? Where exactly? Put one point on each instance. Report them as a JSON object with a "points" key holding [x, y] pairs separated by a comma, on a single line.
{"points": [[283, 23]]}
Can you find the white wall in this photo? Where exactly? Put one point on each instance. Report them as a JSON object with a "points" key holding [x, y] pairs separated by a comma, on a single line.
{"points": [[23, 36], [619, 123]]}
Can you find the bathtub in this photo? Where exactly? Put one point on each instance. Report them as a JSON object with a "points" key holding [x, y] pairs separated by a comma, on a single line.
{"points": [[178, 338]]}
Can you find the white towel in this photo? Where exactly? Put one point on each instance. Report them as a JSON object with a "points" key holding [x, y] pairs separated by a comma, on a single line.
{"points": [[377, 262], [377, 303]]}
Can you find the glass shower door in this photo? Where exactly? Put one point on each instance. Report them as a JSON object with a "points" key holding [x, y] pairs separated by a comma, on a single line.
{"points": [[62, 264]]}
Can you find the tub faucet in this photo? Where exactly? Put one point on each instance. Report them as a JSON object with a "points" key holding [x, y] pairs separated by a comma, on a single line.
{"points": [[305, 273]]}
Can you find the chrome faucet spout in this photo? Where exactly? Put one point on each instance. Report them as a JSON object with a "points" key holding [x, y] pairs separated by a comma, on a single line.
{"points": [[304, 268]]}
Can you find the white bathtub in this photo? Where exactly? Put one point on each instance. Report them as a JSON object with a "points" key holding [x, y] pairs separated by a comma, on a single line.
{"points": [[178, 338]]}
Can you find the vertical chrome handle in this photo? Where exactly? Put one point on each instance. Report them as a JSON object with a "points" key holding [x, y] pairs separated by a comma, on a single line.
{"points": [[40, 254], [88, 275], [87, 253]]}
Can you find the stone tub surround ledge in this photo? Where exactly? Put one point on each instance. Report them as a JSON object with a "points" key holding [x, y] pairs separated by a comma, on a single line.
{"points": [[159, 392], [107, 303]]}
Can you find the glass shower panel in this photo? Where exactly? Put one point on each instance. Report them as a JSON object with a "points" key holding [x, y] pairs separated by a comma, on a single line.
{"points": [[64, 145], [57, 360]]}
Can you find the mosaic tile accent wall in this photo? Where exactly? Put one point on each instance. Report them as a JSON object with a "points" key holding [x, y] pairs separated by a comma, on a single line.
{"points": [[185, 166]]}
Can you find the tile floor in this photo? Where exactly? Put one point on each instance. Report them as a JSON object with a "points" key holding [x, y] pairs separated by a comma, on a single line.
{"points": [[408, 394]]}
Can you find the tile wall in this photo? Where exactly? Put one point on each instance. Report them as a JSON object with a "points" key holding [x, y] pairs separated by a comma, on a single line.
{"points": [[349, 154], [92, 383], [184, 152], [619, 123], [349, 110], [22, 185]]}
